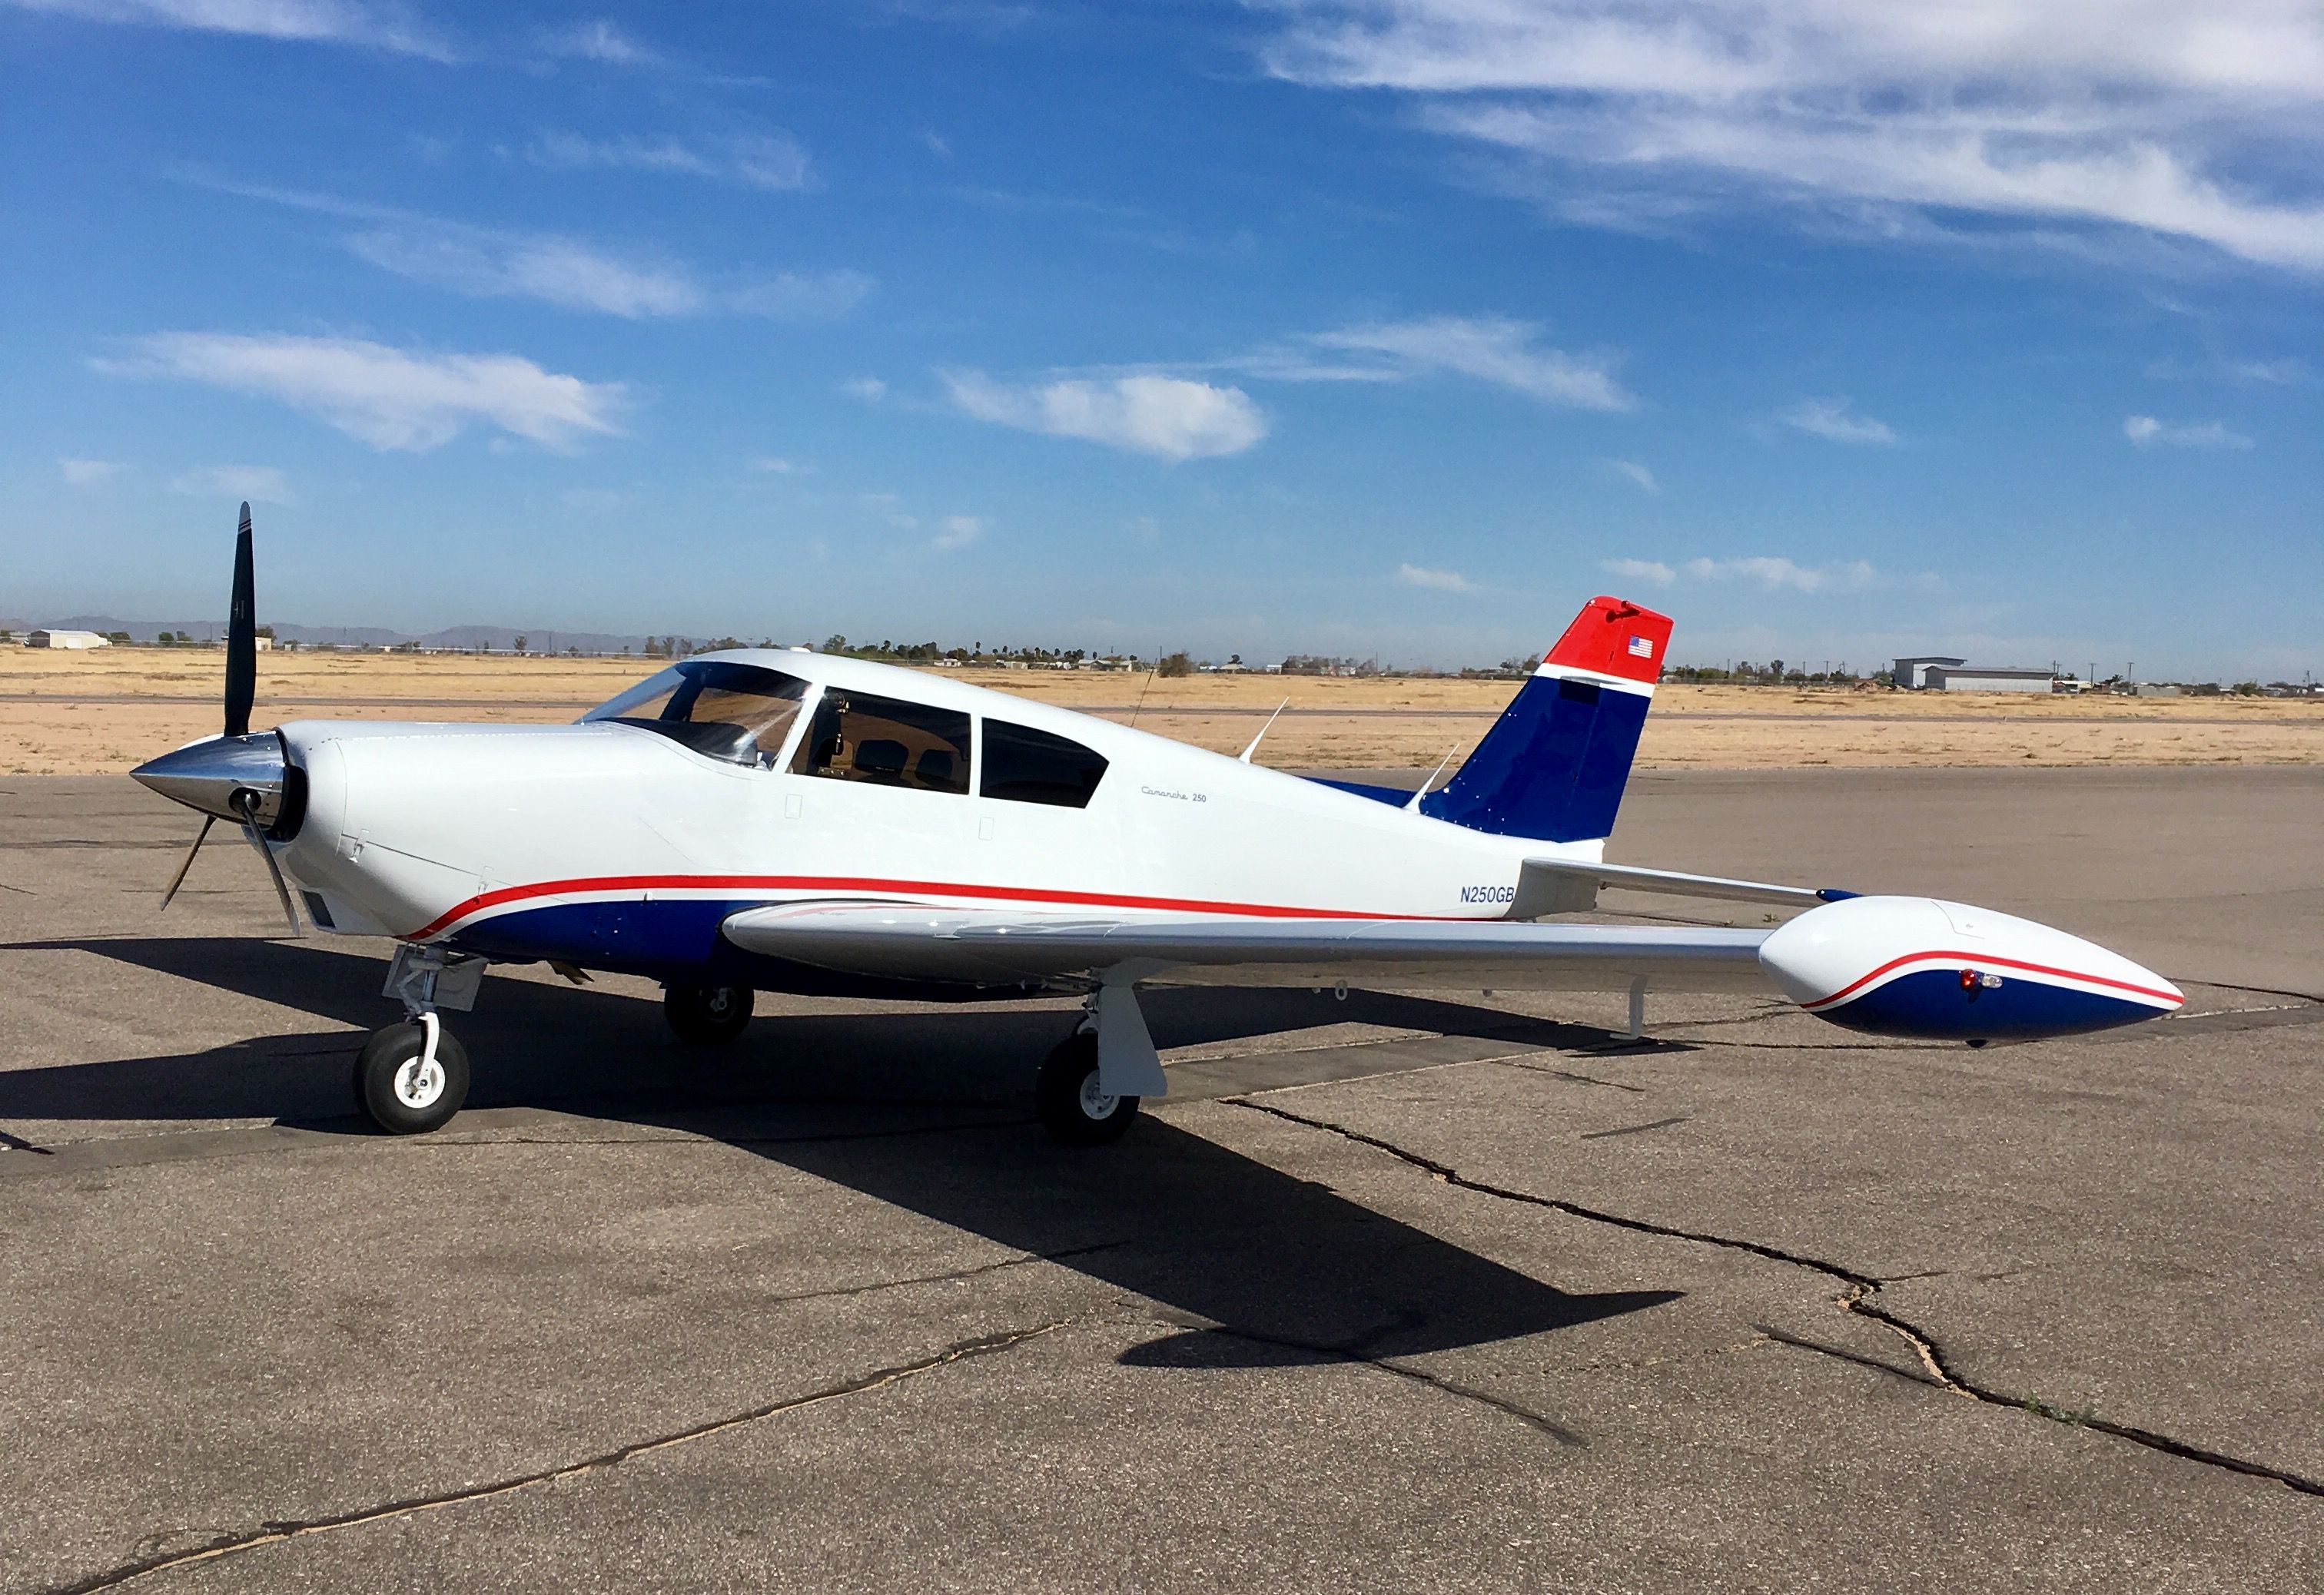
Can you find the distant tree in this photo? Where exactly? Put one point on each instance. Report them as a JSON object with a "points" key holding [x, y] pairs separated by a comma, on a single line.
{"points": [[1176, 664], [2246, 689], [1232, 658], [116, 636], [266, 631], [834, 643], [519, 642]]}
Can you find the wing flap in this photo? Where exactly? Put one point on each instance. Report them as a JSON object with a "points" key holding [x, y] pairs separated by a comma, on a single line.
{"points": [[1013, 945]]}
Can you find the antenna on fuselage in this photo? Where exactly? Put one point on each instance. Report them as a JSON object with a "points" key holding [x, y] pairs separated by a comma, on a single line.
{"points": [[1263, 730], [1433, 774]]}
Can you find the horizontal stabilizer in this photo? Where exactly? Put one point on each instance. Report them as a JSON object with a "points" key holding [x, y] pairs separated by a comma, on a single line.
{"points": [[1571, 886]]}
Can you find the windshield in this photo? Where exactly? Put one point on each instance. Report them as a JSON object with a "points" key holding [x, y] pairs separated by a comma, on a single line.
{"points": [[728, 711]]}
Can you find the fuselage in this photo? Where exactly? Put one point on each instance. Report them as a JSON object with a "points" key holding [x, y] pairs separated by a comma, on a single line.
{"points": [[611, 845]]}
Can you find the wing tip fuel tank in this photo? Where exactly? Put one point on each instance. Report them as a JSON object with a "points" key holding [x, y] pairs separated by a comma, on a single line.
{"points": [[1930, 970]]}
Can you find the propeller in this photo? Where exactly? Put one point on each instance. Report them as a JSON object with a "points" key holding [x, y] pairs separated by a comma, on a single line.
{"points": [[192, 775]]}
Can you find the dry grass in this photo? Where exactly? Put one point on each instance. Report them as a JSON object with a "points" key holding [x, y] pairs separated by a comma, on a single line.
{"points": [[105, 710]]}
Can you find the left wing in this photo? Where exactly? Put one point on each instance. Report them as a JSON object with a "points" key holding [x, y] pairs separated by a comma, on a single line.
{"points": [[998, 945]]}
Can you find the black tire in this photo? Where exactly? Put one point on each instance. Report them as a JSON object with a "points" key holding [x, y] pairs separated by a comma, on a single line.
{"points": [[420, 1105], [707, 1016], [1066, 1097]]}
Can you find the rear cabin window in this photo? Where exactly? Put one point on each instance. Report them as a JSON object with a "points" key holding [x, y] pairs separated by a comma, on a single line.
{"points": [[886, 742], [1028, 766]]}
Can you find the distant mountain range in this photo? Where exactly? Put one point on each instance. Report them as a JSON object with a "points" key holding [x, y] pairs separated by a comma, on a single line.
{"points": [[500, 638]]}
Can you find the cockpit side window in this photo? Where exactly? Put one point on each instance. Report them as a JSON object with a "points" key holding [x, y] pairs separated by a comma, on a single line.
{"points": [[1028, 766], [737, 712], [885, 741]]}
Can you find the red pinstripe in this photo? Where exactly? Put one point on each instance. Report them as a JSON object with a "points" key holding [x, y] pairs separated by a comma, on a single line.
{"points": [[848, 883], [1978, 960]]}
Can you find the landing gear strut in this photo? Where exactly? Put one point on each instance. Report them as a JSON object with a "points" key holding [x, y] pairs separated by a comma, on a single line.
{"points": [[1072, 1105], [707, 1016]]}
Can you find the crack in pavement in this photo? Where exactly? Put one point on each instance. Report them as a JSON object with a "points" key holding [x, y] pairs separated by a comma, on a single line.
{"points": [[1515, 1061], [1600, 1135], [947, 1278], [275, 1534], [1856, 1299]]}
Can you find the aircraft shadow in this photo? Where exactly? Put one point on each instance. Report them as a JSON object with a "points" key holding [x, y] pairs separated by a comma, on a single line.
{"points": [[1265, 1268]]}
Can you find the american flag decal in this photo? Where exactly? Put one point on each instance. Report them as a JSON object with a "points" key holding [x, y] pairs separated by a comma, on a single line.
{"points": [[1643, 647]]}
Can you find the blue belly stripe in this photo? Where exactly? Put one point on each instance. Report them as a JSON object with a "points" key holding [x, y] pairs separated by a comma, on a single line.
{"points": [[1930, 1003]]}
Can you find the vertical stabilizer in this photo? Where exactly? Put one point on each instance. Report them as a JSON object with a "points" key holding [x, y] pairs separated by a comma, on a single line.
{"points": [[1554, 766]]}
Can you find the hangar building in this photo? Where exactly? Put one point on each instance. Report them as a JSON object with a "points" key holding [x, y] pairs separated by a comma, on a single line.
{"points": [[1989, 679]]}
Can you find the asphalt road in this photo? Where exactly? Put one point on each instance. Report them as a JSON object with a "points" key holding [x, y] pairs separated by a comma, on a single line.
{"points": [[1394, 1293]]}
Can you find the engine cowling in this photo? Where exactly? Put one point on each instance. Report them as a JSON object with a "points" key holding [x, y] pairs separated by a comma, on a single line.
{"points": [[1937, 970]]}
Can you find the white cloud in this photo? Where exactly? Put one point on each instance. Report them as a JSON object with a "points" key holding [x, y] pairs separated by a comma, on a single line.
{"points": [[1776, 573], [1833, 419], [386, 397], [773, 161], [869, 389], [1639, 570], [1488, 348], [2192, 123], [938, 145], [322, 22], [488, 262], [775, 466], [1169, 416], [602, 41], [555, 270], [959, 532], [79, 473], [1637, 473], [260, 484], [2145, 432], [1441, 581]]}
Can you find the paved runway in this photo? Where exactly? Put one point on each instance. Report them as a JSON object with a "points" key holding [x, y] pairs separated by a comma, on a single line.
{"points": [[1394, 1293]]}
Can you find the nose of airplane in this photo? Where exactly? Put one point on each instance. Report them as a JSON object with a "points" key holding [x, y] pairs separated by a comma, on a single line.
{"points": [[236, 777]]}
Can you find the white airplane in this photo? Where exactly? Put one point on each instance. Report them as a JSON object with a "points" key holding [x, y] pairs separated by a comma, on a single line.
{"points": [[779, 820]]}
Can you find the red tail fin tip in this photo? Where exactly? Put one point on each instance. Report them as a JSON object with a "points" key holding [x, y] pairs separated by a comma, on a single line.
{"points": [[1611, 637]]}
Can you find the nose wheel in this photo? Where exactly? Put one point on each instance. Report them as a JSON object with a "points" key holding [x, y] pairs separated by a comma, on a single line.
{"points": [[707, 1016], [407, 1086], [1072, 1106]]}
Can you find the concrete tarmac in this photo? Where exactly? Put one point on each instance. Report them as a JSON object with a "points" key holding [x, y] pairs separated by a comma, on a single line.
{"points": [[1439, 1292]]}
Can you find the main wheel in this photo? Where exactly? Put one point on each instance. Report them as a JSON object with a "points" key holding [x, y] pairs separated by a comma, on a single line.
{"points": [[706, 1016], [1071, 1105], [402, 1094]]}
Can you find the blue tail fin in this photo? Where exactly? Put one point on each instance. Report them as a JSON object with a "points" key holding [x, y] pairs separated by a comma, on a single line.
{"points": [[1554, 765]]}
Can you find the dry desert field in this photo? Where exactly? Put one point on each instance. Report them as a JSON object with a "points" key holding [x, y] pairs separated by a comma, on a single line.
{"points": [[104, 711]]}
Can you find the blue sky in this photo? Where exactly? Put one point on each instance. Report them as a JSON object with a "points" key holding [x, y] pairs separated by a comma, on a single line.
{"points": [[1369, 327]]}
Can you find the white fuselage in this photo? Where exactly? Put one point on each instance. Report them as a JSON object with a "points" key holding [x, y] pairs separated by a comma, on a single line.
{"points": [[437, 831]]}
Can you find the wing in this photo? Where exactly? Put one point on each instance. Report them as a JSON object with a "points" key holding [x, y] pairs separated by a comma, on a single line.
{"points": [[1004, 945]]}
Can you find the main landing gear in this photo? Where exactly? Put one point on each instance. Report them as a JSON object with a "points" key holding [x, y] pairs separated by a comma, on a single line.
{"points": [[707, 1016], [1074, 1106]]}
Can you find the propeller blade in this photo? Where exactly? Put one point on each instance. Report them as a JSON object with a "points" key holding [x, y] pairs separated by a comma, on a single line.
{"points": [[241, 637], [274, 873], [187, 862]]}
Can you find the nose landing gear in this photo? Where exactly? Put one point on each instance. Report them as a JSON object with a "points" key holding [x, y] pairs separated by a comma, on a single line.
{"points": [[411, 1078]]}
